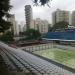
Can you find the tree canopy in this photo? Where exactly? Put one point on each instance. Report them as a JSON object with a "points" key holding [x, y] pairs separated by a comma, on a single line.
{"points": [[42, 2], [60, 25], [4, 13], [7, 37], [32, 34]]}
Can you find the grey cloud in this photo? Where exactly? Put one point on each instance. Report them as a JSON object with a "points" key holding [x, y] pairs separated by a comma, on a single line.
{"points": [[42, 12]]}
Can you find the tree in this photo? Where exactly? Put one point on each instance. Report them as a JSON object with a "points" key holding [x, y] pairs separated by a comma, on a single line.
{"points": [[4, 13], [42, 2], [32, 34], [49, 27], [60, 25], [7, 37]]}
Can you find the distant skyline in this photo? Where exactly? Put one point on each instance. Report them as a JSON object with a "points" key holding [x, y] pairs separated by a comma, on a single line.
{"points": [[43, 12]]}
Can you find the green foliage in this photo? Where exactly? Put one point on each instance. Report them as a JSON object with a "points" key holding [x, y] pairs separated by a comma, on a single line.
{"points": [[43, 2], [7, 37], [49, 28], [4, 25], [4, 9], [60, 25], [32, 34]]}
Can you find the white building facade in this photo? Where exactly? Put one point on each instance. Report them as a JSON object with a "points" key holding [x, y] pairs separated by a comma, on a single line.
{"points": [[14, 28], [60, 15], [41, 25], [73, 19]]}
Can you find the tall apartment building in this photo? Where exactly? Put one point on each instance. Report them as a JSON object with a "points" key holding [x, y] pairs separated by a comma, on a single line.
{"points": [[14, 28], [28, 14], [44, 26], [73, 18], [37, 23], [20, 28], [41, 25], [60, 15], [24, 28]]}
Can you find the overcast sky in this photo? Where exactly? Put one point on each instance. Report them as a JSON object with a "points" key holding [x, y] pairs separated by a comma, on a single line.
{"points": [[43, 12]]}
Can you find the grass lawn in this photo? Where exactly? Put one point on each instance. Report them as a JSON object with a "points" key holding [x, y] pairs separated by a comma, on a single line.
{"points": [[66, 57]]}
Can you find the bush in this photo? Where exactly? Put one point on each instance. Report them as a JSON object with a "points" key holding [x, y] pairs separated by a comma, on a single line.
{"points": [[7, 37], [32, 34]]}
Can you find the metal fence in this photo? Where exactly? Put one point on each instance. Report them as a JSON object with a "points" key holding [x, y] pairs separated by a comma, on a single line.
{"points": [[38, 47]]}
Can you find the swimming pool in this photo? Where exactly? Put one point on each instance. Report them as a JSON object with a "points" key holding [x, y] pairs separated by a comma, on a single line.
{"points": [[66, 57]]}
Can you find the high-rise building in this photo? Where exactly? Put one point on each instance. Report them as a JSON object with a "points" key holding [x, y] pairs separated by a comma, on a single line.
{"points": [[28, 14], [33, 24], [37, 23], [73, 19], [41, 25], [14, 27], [60, 15], [24, 28], [20, 28]]}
